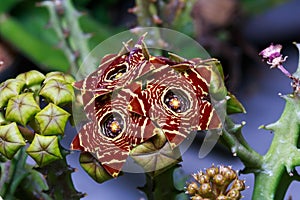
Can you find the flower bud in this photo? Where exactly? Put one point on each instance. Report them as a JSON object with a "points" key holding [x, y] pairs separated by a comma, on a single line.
{"points": [[192, 188]]}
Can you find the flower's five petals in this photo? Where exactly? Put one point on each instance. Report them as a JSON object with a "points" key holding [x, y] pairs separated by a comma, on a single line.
{"points": [[90, 82], [177, 103], [116, 71], [113, 131]]}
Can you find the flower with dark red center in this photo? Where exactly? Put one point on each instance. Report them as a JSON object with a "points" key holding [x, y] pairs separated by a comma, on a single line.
{"points": [[178, 101], [117, 70], [113, 132]]}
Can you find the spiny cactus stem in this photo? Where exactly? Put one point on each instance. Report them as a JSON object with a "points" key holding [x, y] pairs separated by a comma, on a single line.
{"points": [[283, 155], [73, 41], [143, 15], [78, 37], [239, 147], [55, 20]]}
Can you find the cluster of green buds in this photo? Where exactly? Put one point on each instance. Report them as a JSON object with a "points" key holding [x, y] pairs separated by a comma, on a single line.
{"points": [[220, 183], [33, 110]]}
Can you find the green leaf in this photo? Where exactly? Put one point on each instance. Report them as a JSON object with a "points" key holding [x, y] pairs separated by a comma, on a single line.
{"points": [[59, 76], [6, 5], [21, 108], [155, 154], [52, 120], [11, 140], [35, 48], [57, 92], [8, 89], [44, 149], [32, 77], [93, 167], [234, 105]]}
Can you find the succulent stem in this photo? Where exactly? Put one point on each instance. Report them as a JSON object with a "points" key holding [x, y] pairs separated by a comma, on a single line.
{"points": [[283, 154], [65, 21], [233, 138]]}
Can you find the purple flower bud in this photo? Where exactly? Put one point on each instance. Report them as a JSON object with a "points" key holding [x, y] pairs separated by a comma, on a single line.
{"points": [[271, 52], [273, 56]]}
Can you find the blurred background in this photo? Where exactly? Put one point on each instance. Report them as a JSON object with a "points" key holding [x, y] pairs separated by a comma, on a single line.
{"points": [[232, 31]]}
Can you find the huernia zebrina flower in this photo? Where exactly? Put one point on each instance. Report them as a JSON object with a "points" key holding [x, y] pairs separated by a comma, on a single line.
{"points": [[132, 96]]}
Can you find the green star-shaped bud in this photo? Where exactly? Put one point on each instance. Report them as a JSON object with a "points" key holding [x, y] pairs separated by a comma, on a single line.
{"points": [[21, 108], [59, 76], [44, 149], [32, 77], [11, 140], [57, 92], [93, 167], [52, 120], [8, 89]]}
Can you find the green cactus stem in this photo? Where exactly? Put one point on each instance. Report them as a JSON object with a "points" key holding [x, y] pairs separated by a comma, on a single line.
{"points": [[58, 177], [166, 185], [64, 18], [283, 156]]}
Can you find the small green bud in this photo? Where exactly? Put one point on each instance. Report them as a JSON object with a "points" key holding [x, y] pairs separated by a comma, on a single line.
{"points": [[205, 189], [192, 188], [9, 89], [59, 76], [32, 77], [52, 120], [203, 179], [44, 149], [21, 108], [212, 171], [11, 140], [219, 180], [233, 194], [238, 185], [228, 173], [57, 92]]}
